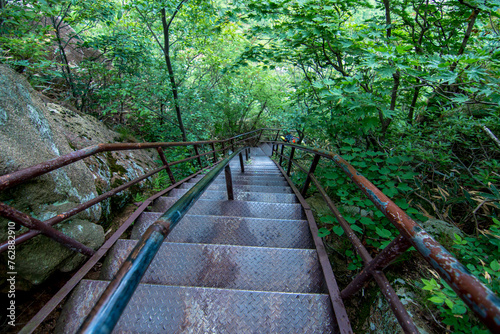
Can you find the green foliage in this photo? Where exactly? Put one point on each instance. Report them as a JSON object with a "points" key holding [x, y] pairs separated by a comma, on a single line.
{"points": [[391, 174]]}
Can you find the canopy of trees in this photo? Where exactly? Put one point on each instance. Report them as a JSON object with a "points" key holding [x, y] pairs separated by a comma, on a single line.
{"points": [[407, 90]]}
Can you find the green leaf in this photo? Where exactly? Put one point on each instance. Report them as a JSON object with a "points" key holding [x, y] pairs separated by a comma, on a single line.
{"points": [[383, 232], [327, 219], [449, 303], [495, 265], [365, 221], [458, 309], [323, 232], [436, 300], [338, 230], [356, 228]]}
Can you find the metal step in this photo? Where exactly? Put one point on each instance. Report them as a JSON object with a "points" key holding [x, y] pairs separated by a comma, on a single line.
{"points": [[242, 176], [236, 208], [225, 266], [249, 182], [171, 309], [241, 196], [232, 231], [237, 188]]}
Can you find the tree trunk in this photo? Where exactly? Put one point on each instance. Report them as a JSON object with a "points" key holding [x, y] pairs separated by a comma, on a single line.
{"points": [[166, 52]]}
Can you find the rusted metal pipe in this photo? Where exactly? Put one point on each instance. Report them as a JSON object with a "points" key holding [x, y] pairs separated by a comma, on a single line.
{"points": [[165, 163], [397, 246], [213, 150], [400, 312], [66, 289], [311, 172], [104, 316], [79, 208], [275, 147], [14, 178], [476, 295], [290, 161], [32, 223], [229, 183], [198, 155], [331, 283], [242, 165], [281, 154]]}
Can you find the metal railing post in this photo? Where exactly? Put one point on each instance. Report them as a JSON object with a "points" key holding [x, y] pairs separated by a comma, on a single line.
{"points": [[290, 161], [229, 183], [246, 154], [232, 145], [165, 162], [281, 154], [397, 247], [223, 149], [260, 135], [215, 155], [275, 146], [198, 153], [242, 165], [311, 171]]}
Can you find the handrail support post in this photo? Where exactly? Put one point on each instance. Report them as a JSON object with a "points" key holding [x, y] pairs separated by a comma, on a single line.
{"points": [[397, 246], [213, 149], [242, 165], [290, 161], [229, 183], [281, 154], [311, 171], [167, 166], [275, 146], [198, 153]]}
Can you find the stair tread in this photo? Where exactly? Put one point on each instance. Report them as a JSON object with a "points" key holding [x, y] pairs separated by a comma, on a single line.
{"points": [[232, 231], [172, 309], [235, 208], [225, 266], [240, 196], [246, 188], [248, 182]]}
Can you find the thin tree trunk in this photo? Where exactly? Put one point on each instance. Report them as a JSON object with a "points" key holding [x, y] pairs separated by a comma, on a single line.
{"points": [[258, 115], [166, 52]]}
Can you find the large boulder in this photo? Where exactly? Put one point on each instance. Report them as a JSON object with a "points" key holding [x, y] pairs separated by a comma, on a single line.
{"points": [[33, 131]]}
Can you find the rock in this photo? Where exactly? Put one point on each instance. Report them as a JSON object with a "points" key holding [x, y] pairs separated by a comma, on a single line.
{"points": [[383, 321], [356, 211], [441, 230], [39, 257], [32, 131]]}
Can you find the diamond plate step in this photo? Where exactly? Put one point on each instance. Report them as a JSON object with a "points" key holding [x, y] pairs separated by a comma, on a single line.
{"points": [[232, 231], [249, 182], [168, 309], [236, 208], [241, 196], [225, 266], [237, 188], [243, 176]]}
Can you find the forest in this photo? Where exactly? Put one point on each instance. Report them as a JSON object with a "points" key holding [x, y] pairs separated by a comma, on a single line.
{"points": [[407, 91]]}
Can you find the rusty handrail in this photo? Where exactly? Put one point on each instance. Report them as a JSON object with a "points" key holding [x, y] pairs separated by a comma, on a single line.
{"points": [[476, 295], [36, 227], [108, 309]]}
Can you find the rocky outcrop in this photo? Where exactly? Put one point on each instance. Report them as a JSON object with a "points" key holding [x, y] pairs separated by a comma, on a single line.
{"points": [[33, 131]]}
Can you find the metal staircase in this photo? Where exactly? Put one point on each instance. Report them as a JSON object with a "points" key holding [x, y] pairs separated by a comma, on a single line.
{"points": [[246, 265]]}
